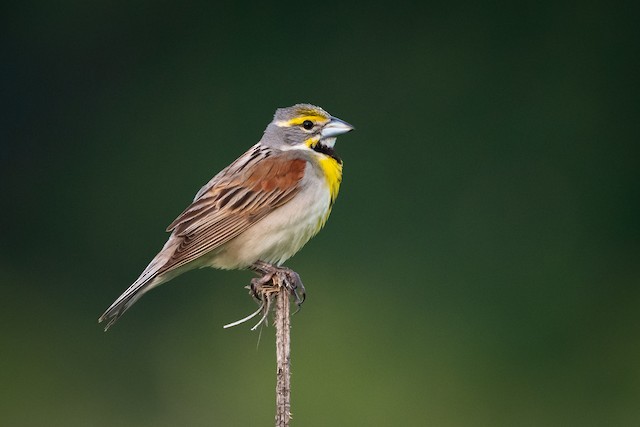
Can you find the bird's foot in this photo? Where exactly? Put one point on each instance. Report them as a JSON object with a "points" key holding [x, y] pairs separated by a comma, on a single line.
{"points": [[273, 278]]}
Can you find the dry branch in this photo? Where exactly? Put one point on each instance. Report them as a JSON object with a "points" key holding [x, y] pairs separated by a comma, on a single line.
{"points": [[283, 359], [277, 285]]}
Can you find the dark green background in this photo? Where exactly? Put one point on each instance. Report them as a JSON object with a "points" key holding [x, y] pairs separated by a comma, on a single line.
{"points": [[480, 268]]}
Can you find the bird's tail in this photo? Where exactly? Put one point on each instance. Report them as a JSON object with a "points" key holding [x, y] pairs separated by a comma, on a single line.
{"points": [[151, 277], [128, 298]]}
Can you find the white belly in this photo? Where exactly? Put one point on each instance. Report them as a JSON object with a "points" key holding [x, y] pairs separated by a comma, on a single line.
{"points": [[279, 235]]}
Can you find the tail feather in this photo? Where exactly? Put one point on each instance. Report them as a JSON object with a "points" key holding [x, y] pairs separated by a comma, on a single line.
{"points": [[129, 297], [151, 277]]}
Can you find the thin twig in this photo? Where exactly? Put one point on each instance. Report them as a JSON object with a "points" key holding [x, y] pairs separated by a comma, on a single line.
{"points": [[277, 287], [283, 359], [266, 312], [249, 317]]}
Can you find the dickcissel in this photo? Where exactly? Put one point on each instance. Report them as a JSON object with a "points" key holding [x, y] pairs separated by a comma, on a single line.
{"points": [[257, 212]]}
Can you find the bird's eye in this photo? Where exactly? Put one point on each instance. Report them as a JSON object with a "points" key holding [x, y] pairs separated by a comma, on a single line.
{"points": [[307, 124]]}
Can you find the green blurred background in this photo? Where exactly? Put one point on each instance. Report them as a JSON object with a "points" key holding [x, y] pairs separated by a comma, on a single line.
{"points": [[480, 268]]}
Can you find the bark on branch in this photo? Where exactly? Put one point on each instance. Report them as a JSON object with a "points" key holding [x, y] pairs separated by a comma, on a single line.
{"points": [[277, 283], [283, 358]]}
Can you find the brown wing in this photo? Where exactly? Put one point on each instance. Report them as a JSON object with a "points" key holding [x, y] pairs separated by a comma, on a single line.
{"points": [[242, 194]]}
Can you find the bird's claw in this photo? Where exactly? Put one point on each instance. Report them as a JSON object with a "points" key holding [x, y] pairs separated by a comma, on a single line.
{"points": [[257, 285], [293, 283], [283, 276]]}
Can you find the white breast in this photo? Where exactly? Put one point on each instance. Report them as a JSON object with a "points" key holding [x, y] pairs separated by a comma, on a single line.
{"points": [[282, 233]]}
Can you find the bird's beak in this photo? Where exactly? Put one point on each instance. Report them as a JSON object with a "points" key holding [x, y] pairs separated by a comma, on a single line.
{"points": [[335, 127]]}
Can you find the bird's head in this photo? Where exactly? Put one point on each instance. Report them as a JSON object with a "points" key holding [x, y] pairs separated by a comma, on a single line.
{"points": [[305, 127]]}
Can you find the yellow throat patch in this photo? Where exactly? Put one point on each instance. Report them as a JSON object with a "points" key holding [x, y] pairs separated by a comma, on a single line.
{"points": [[332, 170], [332, 174]]}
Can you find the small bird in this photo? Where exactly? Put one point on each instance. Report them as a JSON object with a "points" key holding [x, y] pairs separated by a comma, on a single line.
{"points": [[258, 211]]}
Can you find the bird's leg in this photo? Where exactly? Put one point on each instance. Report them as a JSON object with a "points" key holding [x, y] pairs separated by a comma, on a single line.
{"points": [[277, 275], [294, 283], [256, 289]]}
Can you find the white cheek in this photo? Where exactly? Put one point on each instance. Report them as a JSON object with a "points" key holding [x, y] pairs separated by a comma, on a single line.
{"points": [[294, 147]]}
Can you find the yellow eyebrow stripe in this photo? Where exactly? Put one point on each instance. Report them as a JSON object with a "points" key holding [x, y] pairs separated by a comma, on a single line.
{"points": [[299, 120]]}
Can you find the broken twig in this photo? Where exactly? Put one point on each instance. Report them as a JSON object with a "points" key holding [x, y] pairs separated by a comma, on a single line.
{"points": [[279, 287]]}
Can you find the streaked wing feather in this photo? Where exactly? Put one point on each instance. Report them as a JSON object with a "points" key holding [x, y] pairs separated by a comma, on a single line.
{"points": [[239, 196]]}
